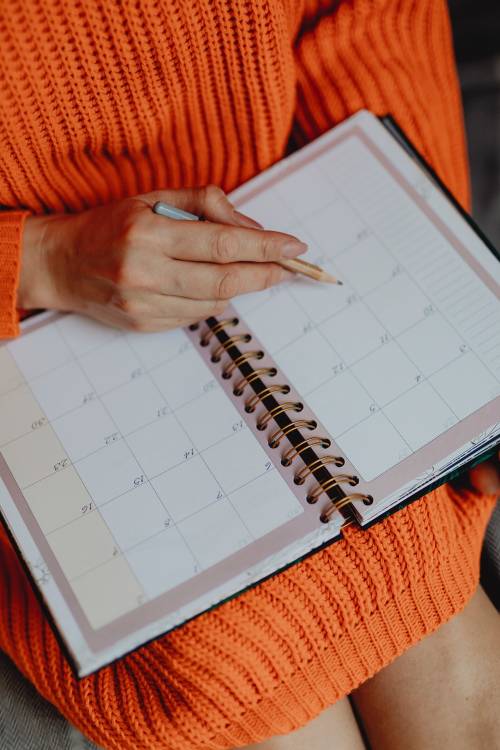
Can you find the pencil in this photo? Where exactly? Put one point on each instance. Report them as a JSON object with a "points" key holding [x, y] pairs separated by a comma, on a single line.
{"points": [[293, 264], [309, 269]]}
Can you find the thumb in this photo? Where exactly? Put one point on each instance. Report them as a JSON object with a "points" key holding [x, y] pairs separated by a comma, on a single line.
{"points": [[209, 202]]}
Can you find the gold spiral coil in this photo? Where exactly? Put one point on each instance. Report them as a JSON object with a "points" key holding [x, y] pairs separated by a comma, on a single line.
{"points": [[240, 386], [292, 453], [280, 409], [281, 433], [205, 338], [252, 402], [297, 424], [246, 357], [231, 341], [347, 500], [301, 476], [332, 482]]}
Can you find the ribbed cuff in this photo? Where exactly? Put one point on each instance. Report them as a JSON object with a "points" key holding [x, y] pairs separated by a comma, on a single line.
{"points": [[11, 228]]}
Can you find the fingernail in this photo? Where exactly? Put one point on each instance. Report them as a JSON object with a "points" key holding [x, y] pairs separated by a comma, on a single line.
{"points": [[246, 221], [292, 248]]}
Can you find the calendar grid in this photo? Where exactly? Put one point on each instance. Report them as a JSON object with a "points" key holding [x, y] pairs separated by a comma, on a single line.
{"points": [[201, 454], [438, 275], [96, 521], [396, 338], [95, 508]]}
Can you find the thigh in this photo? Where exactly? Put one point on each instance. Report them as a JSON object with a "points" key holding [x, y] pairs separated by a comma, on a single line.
{"points": [[443, 693], [335, 728]]}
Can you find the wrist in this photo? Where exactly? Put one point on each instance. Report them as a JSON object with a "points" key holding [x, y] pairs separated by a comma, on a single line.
{"points": [[42, 263]]}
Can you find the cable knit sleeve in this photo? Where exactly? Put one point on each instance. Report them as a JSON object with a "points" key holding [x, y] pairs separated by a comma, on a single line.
{"points": [[390, 56], [11, 227]]}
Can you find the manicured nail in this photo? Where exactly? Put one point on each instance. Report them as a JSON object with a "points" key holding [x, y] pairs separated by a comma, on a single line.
{"points": [[246, 221], [292, 248]]}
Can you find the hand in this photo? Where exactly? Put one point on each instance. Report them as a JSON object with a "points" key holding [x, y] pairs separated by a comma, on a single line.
{"points": [[124, 265], [485, 478]]}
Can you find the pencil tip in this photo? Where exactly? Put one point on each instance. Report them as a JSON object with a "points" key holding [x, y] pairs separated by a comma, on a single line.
{"points": [[340, 283]]}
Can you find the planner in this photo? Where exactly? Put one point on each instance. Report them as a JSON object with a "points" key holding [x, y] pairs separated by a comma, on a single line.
{"points": [[145, 478]]}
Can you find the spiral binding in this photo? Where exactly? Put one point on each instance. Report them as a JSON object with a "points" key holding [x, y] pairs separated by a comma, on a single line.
{"points": [[319, 463]]}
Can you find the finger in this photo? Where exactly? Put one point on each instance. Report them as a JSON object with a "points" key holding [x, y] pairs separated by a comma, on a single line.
{"points": [[208, 281], [209, 202], [485, 478], [219, 243]]}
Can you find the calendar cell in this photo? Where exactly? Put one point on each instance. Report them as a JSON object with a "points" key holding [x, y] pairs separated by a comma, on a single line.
{"points": [[39, 351], [135, 404], [111, 366], [155, 348], [21, 414], [46, 453], [86, 430], [265, 504], [420, 415], [162, 562], [92, 590], [110, 472], [58, 499], [62, 390], [354, 333], [82, 545], [187, 488], [161, 445], [215, 532], [135, 516]]}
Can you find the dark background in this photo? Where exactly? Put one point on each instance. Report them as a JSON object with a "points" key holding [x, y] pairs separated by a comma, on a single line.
{"points": [[477, 43]]}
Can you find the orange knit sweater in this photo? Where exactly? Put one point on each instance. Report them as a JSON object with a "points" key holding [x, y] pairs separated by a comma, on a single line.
{"points": [[106, 98]]}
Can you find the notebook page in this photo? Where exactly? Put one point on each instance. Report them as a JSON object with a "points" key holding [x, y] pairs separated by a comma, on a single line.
{"points": [[402, 362], [135, 489]]}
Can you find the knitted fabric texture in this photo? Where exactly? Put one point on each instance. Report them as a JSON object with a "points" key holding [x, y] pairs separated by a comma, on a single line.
{"points": [[107, 98]]}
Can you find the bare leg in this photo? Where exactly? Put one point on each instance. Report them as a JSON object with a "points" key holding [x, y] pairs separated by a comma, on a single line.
{"points": [[442, 694], [334, 729]]}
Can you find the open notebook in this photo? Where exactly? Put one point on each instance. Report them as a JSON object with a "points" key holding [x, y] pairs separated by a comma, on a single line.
{"points": [[147, 477]]}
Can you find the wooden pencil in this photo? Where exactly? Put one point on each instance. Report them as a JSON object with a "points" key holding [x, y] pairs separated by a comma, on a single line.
{"points": [[308, 269]]}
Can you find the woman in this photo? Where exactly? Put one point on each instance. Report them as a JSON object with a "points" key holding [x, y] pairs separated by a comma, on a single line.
{"points": [[108, 106]]}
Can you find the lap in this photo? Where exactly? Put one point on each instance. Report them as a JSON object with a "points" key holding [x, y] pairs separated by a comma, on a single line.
{"points": [[269, 661]]}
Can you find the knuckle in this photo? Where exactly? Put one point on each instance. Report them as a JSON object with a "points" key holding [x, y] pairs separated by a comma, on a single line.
{"points": [[228, 285], [225, 247], [269, 249], [213, 194]]}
